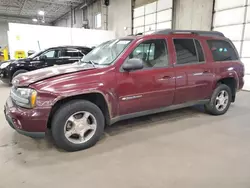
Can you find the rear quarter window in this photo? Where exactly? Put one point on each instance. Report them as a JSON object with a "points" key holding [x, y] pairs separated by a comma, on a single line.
{"points": [[222, 50]]}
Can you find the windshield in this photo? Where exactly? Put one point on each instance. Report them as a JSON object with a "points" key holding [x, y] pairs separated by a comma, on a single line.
{"points": [[107, 52]]}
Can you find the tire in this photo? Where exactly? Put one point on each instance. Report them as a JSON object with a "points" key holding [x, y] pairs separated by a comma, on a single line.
{"points": [[211, 107], [18, 72], [61, 118]]}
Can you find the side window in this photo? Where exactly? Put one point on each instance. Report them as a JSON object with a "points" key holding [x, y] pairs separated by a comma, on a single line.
{"points": [[185, 51], [51, 54], [71, 53], [154, 53], [222, 50], [199, 51], [85, 51]]}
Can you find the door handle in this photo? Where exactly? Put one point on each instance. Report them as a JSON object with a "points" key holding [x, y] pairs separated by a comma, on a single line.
{"points": [[200, 73], [164, 78], [206, 71]]}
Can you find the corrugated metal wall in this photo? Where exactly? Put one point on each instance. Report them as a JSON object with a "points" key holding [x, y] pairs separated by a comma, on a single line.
{"points": [[233, 19], [153, 16]]}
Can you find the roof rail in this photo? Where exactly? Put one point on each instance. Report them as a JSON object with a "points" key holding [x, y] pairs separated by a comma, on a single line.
{"points": [[197, 32], [137, 34]]}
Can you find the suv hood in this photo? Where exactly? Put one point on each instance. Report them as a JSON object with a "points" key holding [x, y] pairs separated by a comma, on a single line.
{"points": [[28, 78], [8, 61], [23, 60]]}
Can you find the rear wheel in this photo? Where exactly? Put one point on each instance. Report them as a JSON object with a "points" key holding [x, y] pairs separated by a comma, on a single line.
{"points": [[77, 125], [220, 100]]}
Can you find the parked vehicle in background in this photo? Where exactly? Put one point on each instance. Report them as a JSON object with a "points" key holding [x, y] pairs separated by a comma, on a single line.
{"points": [[49, 57], [126, 78]]}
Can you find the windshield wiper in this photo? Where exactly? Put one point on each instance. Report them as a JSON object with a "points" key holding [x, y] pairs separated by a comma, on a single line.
{"points": [[90, 62]]}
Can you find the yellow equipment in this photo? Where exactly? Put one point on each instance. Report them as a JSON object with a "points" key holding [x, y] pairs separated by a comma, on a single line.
{"points": [[20, 54], [5, 54]]}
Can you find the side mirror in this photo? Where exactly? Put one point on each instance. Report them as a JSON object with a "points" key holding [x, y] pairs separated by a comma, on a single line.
{"points": [[133, 64], [42, 57], [30, 52]]}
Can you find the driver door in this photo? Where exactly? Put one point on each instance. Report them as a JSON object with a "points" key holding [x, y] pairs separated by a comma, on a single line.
{"points": [[151, 87], [49, 58]]}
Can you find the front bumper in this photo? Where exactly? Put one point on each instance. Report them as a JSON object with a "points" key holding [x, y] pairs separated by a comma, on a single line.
{"points": [[4, 76], [29, 122]]}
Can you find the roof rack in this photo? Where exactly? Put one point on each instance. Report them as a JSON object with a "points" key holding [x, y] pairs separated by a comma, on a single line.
{"points": [[197, 32], [137, 34]]}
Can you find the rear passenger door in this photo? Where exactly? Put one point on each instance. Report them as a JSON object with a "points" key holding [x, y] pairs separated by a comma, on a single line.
{"points": [[193, 74]]}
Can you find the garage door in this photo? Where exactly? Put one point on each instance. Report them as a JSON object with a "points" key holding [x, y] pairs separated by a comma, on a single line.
{"points": [[151, 17], [233, 19]]}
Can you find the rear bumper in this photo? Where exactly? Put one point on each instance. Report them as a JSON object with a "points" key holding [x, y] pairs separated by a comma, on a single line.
{"points": [[29, 122]]}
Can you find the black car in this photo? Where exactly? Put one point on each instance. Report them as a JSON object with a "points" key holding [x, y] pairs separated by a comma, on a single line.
{"points": [[49, 57]]}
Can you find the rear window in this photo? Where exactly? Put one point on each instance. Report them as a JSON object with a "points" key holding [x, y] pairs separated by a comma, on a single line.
{"points": [[222, 50]]}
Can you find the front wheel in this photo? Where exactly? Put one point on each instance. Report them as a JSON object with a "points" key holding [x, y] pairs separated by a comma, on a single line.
{"points": [[77, 125], [220, 100]]}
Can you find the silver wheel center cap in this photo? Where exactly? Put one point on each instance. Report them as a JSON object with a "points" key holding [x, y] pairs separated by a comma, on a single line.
{"points": [[79, 126], [221, 100]]}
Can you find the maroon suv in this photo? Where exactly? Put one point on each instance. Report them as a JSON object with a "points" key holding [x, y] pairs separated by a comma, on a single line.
{"points": [[126, 78]]}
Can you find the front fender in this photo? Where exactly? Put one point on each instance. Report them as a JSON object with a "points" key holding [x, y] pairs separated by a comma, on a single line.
{"points": [[18, 66], [83, 89], [101, 81]]}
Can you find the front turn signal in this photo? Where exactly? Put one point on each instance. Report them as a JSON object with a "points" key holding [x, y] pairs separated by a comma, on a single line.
{"points": [[33, 99]]}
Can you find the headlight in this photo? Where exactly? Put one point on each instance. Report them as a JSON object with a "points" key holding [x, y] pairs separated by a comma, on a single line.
{"points": [[4, 65], [25, 97]]}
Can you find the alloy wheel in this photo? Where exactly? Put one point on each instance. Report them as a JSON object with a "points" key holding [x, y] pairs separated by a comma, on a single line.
{"points": [[222, 100], [80, 127]]}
